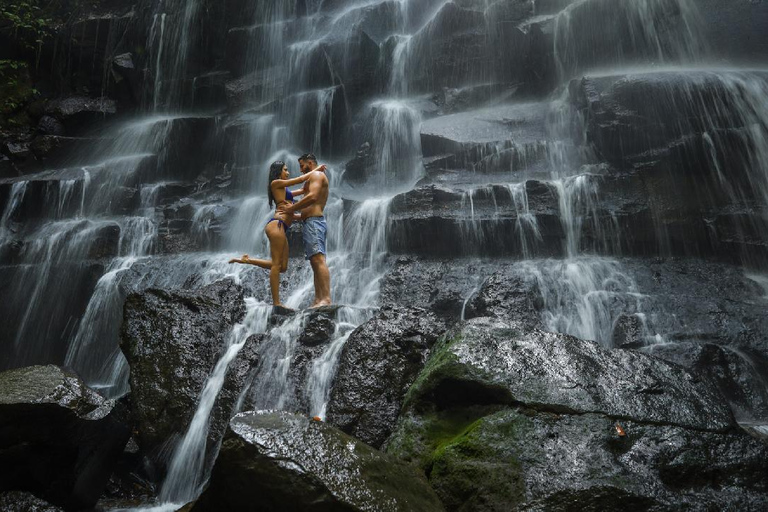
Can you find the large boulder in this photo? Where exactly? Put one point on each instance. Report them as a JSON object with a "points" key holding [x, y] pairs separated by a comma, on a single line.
{"points": [[58, 438], [172, 341], [280, 461], [505, 418], [18, 501], [378, 364]]}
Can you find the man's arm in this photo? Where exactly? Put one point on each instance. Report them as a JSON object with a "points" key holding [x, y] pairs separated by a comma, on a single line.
{"points": [[310, 198]]}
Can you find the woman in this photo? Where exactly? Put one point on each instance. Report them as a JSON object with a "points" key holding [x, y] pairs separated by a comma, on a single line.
{"points": [[277, 227]]}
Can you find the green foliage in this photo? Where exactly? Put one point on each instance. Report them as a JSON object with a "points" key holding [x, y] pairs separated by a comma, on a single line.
{"points": [[30, 21], [15, 88]]}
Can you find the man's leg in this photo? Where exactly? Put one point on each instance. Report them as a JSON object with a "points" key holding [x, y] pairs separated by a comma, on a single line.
{"points": [[322, 280]]}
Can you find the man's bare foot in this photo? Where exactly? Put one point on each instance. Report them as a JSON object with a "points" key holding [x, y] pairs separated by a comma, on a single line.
{"points": [[320, 304]]}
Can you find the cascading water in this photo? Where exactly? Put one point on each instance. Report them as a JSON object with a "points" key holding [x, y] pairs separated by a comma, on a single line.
{"points": [[186, 470], [153, 203]]}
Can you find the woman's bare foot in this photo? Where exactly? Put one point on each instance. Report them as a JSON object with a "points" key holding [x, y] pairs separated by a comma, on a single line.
{"points": [[244, 260], [320, 304]]}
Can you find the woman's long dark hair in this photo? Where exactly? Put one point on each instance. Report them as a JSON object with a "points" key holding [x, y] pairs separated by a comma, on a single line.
{"points": [[275, 170]]}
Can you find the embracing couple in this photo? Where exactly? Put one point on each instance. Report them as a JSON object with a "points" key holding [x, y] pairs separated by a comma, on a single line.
{"points": [[287, 210]]}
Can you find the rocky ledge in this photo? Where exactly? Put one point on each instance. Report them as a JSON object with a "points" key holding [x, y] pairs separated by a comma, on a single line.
{"points": [[281, 461], [502, 418], [59, 439], [172, 341]]}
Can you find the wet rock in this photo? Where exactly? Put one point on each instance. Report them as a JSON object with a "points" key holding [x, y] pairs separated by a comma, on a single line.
{"points": [[685, 124], [53, 148], [16, 501], [280, 461], [628, 332], [210, 90], [58, 438], [436, 221], [440, 286], [49, 125], [737, 373], [746, 45], [378, 364], [78, 113], [8, 168], [522, 459], [318, 330], [106, 243], [452, 100], [478, 132], [127, 78], [455, 41], [172, 341], [492, 435], [248, 89], [359, 168], [669, 33], [496, 362], [17, 150], [508, 296], [81, 54]]}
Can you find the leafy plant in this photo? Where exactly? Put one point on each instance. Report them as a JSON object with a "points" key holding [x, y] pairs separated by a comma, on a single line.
{"points": [[30, 21], [15, 85]]}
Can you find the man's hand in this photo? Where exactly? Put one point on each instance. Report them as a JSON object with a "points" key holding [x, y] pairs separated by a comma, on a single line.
{"points": [[285, 208]]}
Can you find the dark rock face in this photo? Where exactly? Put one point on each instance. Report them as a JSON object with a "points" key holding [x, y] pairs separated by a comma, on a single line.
{"points": [[378, 364], [172, 340], [78, 113], [280, 461], [687, 304], [738, 373], [502, 418], [58, 438], [446, 288]]}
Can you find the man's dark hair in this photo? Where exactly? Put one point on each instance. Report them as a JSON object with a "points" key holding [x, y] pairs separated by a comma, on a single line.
{"points": [[308, 156]]}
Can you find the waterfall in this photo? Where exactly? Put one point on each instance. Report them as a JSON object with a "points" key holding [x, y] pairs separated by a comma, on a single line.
{"points": [[585, 296], [186, 470], [16, 197], [165, 196], [396, 137], [631, 30]]}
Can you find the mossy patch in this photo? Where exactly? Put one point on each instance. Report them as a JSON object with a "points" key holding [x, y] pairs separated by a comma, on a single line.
{"points": [[447, 382], [468, 455]]}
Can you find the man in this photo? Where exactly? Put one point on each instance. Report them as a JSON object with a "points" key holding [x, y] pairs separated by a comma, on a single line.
{"points": [[315, 229]]}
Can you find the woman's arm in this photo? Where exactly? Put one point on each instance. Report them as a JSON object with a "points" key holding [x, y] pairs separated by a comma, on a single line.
{"points": [[290, 183], [296, 181]]}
